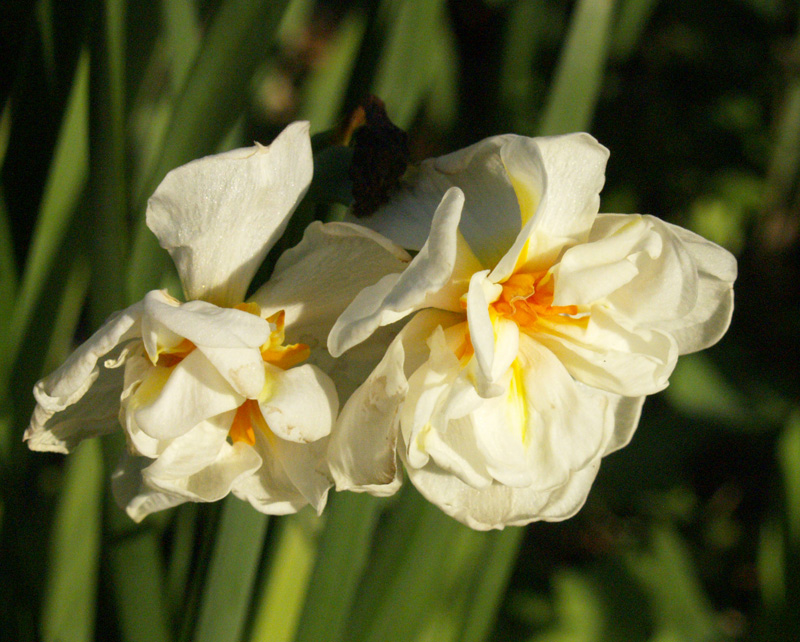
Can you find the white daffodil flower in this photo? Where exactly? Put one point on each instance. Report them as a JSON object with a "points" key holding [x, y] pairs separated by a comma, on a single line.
{"points": [[211, 397], [540, 325]]}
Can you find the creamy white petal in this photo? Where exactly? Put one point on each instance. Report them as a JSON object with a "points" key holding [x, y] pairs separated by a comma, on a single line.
{"points": [[305, 466], [632, 263], [133, 495], [218, 216], [362, 446], [600, 351], [574, 166], [204, 324], [94, 414], [74, 377], [270, 489], [194, 392], [568, 499], [491, 217], [623, 414], [317, 279], [230, 339], [193, 450], [303, 404], [215, 481], [51, 429], [398, 295], [708, 320], [566, 426], [361, 452]]}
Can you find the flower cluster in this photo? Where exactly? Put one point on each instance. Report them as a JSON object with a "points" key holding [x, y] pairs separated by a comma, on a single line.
{"points": [[535, 328]]}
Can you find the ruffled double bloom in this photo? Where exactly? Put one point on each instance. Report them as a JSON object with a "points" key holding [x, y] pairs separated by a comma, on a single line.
{"points": [[535, 327]]}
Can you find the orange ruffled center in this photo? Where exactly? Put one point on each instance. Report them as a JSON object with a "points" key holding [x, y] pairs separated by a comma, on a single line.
{"points": [[527, 296], [248, 417]]}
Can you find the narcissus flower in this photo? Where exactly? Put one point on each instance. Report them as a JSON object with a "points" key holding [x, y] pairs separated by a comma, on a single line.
{"points": [[540, 326], [212, 397]]}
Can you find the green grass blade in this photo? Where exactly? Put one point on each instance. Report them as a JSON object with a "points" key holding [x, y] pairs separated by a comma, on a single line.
{"points": [[214, 95], [65, 184], [631, 23], [489, 583], [107, 179], [579, 74], [228, 589], [69, 607], [135, 564], [344, 547], [408, 67], [404, 575], [280, 600]]}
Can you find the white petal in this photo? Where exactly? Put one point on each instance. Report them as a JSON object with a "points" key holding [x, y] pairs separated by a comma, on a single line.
{"points": [[95, 413], [203, 324], [194, 392], [317, 279], [230, 339], [133, 495], [566, 426], [491, 217], [303, 404], [398, 295], [193, 450], [271, 489], [362, 447], [67, 386], [562, 176], [495, 343], [624, 416], [304, 465], [574, 166], [218, 216], [708, 320], [216, 480], [601, 352]]}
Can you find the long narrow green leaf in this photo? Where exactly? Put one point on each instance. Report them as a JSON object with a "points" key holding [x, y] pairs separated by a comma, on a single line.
{"points": [[65, 183], [135, 564], [325, 90], [286, 581], [403, 576], [407, 69], [631, 23], [107, 182], [489, 583], [215, 93], [69, 607], [8, 270], [579, 73], [343, 551], [229, 586]]}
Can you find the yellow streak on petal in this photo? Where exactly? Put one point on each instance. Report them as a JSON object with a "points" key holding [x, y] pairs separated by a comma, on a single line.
{"points": [[516, 400], [150, 387], [527, 201]]}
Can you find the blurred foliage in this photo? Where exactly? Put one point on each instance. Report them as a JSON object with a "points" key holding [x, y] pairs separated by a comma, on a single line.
{"points": [[692, 532]]}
